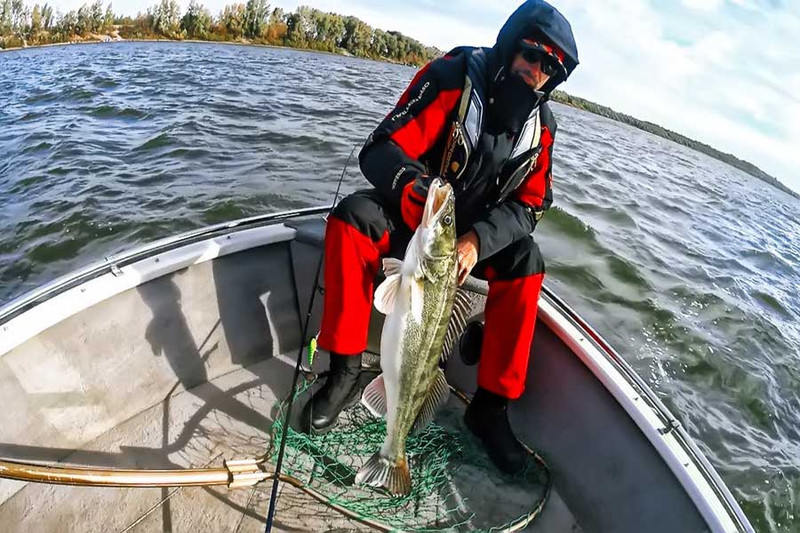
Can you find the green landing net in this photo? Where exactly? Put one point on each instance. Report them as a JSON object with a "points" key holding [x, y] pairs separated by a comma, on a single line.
{"points": [[454, 485]]}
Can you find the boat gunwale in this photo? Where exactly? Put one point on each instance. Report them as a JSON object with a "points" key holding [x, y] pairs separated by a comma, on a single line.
{"points": [[111, 263], [671, 426]]}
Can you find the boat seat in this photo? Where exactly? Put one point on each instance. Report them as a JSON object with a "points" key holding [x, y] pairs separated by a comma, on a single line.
{"points": [[308, 231]]}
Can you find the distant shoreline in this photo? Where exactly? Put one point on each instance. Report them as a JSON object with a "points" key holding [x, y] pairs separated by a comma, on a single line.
{"points": [[343, 53], [558, 96]]}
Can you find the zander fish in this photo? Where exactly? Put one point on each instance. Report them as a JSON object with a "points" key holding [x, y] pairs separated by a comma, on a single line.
{"points": [[424, 313]]}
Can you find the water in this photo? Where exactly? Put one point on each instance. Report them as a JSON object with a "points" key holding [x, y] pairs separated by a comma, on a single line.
{"points": [[688, 266]]}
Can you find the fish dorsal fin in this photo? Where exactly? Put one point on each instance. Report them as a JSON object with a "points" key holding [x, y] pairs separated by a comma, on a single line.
{"points": [[386, 294], [391, 266], [437, 397], [462, 307], [417, 299], [374, 397]]}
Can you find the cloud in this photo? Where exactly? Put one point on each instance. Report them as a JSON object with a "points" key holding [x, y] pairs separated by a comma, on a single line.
{"points": [[716, 47], [730, 85], [703, 5]]}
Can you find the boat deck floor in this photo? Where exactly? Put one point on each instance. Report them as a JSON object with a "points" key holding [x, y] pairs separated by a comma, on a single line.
{"points": [[228, 417]]}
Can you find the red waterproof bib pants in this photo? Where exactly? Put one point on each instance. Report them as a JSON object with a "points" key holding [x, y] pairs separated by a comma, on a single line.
{"points": [[362, 229]]}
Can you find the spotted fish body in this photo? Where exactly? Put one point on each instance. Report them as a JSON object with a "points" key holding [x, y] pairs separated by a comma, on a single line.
{"points": [[417, 297]]}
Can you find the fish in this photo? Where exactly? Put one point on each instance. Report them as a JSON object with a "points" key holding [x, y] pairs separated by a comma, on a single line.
{"points": [[424, 311]]}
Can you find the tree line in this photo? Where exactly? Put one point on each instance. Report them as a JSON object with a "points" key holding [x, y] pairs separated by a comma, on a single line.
{"points": [[253, 22]]}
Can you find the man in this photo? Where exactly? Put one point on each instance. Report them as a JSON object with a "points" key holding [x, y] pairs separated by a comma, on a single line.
{"points": [[478, 118]]}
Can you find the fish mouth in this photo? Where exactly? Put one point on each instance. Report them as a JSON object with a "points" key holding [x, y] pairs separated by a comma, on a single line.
{"points": [[439, 194]]}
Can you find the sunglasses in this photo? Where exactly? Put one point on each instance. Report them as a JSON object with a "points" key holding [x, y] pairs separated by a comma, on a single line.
{"points": [[547, 63]]}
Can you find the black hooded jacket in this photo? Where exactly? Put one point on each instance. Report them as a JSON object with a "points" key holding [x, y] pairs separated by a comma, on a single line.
{"points": [[411, 140]]}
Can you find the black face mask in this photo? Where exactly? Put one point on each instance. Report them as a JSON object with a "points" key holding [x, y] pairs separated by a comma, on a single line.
{"points": [[513, 102]]}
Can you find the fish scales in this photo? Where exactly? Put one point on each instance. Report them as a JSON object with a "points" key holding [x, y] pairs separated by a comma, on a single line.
{"points": [[424, 344]]}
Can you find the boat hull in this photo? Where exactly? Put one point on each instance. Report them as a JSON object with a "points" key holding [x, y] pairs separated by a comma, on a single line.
{"points": [[93, 366]]}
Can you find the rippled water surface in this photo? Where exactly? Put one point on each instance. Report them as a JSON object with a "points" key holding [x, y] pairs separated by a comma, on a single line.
{"points": [[688, 266]]}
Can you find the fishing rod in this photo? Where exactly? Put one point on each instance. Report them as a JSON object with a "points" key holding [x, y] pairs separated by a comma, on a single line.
{"points": [[285, 430]]}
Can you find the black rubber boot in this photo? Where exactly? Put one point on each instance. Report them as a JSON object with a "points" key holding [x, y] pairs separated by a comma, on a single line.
{"points": [[339, 392], [487, 418]]}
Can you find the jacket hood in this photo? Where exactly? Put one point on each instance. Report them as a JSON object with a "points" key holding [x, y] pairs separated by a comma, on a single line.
{"points": [[541, 16]]}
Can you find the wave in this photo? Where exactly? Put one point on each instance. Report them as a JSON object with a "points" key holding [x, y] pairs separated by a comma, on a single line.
{"points": [[105, 83], [189, 154], [42, 97], [79, 95], [109, 111], [59, 250], [569, 225], [41, 147], [31, 115], [770, 303], [159, 141], [613, 214]]}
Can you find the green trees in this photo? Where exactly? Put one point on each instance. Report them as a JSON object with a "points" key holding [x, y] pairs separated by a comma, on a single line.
{"points": [[357, 37], [90, 19], [66, 27], [83, 20], [14, 23], [36, 22], [315, 29], [298, 28], [278, 16], [197, 21], [97, 17], [277, 28], [108, 19], [232, 21], [329, 29], [47, 17], [167, 19], [254, 21], [5, 17], [41, 23]]}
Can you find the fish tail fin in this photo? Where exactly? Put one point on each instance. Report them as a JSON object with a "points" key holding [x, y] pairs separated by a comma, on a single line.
{"points": [[382, 472]]}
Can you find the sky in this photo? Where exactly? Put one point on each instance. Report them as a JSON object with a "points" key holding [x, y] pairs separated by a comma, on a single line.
{"points": [[724, 72]]}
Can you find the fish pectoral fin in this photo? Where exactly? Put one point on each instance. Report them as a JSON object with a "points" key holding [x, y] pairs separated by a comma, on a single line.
{"points": [[462, 307], [382, 472], [386, 294], [374, 397], [437, 397], [391, 266]]}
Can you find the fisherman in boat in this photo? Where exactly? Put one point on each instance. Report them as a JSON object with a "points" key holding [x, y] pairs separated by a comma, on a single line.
{"points": [[479, 119]]}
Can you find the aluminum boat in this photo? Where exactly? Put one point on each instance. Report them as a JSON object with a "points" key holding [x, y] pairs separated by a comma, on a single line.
{"points": [[137, 394]]}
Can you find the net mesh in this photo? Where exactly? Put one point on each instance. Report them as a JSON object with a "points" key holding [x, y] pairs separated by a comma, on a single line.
{"points": [[455, 487]]}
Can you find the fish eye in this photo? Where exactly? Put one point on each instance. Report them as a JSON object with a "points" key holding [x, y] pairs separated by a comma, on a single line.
{"points": [[447, 220]]}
